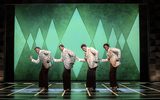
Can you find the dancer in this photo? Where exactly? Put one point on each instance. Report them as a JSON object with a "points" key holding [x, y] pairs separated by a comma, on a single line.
{"points": [[68, 58], [113, 56], [45, 57], [91, 57]]}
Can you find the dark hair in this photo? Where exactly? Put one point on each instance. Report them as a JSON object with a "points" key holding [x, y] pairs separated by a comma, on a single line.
{"points": [[37, 48], [106, 44], [83, 45], [61, 45]]}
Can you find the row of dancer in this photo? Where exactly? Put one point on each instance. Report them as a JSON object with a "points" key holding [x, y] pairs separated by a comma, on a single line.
{"points": [[68, 58]]}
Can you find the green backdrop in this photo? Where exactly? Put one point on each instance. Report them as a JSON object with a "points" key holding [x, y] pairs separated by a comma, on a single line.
{"points": [[47, 26]]}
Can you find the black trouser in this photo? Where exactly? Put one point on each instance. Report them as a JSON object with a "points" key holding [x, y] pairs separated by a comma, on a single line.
{"points": [[43, 77], [91, 78], [66, 79], [112, 76]]}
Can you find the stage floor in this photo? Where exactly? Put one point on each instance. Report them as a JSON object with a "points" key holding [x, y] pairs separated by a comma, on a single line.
{"points": [[126, 90]]}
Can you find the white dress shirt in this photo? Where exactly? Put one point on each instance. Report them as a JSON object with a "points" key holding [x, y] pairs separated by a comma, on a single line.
{"points": [[91, 56], [45, 57], [67, 57], [113, 56]]}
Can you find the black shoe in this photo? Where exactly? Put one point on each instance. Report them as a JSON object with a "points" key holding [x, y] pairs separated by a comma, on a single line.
{"points": [[94, 90], [68, 90], [41, 89], [45, 90], [91, 89], [114, 89]]}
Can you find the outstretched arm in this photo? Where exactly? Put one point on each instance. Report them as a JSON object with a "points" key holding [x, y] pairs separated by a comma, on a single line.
{"points": [[35, 61], [104, 60], [80, 59], [58, 60]]}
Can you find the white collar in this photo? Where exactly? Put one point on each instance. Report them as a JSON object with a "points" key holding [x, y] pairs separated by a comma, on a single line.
{"points": [[64, 49], [87, 49], [109, 49]]}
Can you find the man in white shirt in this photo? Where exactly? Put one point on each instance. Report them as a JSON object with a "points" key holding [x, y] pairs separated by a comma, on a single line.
{"points": [[91, 57], [68, 58], [113, 56], [45, 57]]}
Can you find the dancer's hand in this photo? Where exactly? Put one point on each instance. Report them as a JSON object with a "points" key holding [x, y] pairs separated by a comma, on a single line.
{"points": [[77, 59], [85, 59]]}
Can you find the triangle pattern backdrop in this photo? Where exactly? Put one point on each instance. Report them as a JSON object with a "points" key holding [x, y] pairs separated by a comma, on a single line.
{"points": [[47, 26]]}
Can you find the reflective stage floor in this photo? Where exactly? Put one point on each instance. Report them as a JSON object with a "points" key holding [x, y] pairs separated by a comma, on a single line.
{"points": [[126, 91]]}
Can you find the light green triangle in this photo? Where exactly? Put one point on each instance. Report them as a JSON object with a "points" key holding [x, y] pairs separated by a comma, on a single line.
{"points": [[30, 41], [113, 38], [19, 42], [121, 41], [75, 35], [39, 39], [133, 42], [100, 39], [52, 40]]}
